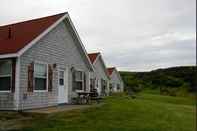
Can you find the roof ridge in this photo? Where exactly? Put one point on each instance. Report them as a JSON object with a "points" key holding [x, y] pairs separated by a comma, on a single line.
{"points": [[94, 53], [30, 20]]}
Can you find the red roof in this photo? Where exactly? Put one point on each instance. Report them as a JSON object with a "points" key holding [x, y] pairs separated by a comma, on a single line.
{"points": [[110, 70], [23, 33], [93, 56]]}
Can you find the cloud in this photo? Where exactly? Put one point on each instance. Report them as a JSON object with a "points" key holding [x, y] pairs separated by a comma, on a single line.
{"points": [[132, 35]]}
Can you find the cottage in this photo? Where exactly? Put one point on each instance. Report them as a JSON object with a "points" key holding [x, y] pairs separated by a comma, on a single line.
{"points": [[42, 63], [116, 83], [99, 79]]}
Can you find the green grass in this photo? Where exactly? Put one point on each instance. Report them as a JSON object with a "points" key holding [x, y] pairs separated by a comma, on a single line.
{"points": [[148, 112]]}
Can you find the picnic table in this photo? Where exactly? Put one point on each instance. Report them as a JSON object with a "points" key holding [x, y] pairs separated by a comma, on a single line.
{"points": [[84, 97]]}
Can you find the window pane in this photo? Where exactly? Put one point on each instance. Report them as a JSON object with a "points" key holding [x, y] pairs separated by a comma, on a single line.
{"points": [[5, 83], [92, 84], [79, 86], [118, 86], [79, 75], [61, 82], [40, 84], [40, 70], [61, 78], [5, 67], [110, 86]]}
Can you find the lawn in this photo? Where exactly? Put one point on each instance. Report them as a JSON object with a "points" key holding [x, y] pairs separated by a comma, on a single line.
{"points": [[148, 112]]}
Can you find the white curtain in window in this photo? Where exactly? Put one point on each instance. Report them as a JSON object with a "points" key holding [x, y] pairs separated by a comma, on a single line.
{"points": [[40, 70]]}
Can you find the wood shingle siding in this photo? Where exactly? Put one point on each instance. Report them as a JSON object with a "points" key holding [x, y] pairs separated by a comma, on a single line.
{"points": [[57, 47]]}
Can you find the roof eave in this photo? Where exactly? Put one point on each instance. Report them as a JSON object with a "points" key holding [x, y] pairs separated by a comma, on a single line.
{"points": [[80, 42], [11, 55]]}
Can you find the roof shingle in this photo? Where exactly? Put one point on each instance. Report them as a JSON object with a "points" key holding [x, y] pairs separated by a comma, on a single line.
{"points": [[93, 56], [110, 70]]}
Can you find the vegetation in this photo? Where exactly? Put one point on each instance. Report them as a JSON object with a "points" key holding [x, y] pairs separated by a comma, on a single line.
{"points": [[148, 112], [171, 81]]}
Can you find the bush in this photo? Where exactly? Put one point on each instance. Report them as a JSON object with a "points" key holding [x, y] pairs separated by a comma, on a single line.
{"points": [[135, 85]]}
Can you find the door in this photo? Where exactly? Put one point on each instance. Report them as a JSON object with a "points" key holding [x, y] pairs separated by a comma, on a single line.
{"points": [[62, 88]]}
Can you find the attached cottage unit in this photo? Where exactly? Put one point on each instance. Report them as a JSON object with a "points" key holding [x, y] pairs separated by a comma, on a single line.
{"points": [[116, 82], [99, 79], [42, 63]]}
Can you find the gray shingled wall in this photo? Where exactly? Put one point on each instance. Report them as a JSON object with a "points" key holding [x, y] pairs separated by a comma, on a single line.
{"points": [[6, 101], [59, 47], [116, 80], [99, 73]]}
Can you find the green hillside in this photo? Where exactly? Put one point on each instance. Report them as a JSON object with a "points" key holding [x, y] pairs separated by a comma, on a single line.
{"points": [[169, 80]]}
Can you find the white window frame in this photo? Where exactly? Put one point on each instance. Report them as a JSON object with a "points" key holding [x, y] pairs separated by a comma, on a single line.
{"points": [[7, 91], [59, 77], [80, 80], [42, 63]]}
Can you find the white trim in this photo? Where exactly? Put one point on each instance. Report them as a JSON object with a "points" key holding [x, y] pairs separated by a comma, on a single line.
{"points": [[59, 76], [8, 91], [67, 81], [9, 55], [65, 70], [37, 91], [83, 72], [10, 75], [17, 84], [6, 75], [89, 77]]}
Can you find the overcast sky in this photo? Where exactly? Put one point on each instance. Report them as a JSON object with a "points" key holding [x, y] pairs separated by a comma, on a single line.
{"points": [[135, 35]]}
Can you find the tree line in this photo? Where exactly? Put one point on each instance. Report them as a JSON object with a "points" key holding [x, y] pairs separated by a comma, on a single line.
{"points": [[168, 81]]}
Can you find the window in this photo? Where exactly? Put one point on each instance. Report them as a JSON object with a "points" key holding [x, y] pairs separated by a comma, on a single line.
{"points": [[40, 76], [103, 86], [110, 86], [92, 84], [97, 83], [5, 75], [118, 86], [79, 80], [61, 78]]}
